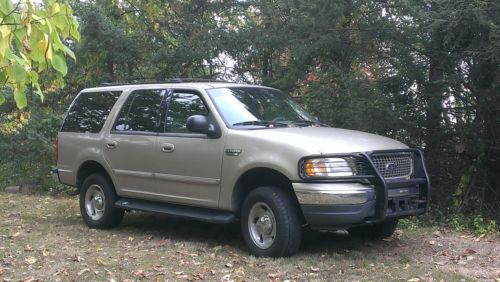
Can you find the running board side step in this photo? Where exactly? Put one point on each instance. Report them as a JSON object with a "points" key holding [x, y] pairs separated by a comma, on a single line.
{"points": [[201, 214]]}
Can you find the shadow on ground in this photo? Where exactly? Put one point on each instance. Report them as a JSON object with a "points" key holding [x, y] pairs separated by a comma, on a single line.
{"points": [[139, 223]]}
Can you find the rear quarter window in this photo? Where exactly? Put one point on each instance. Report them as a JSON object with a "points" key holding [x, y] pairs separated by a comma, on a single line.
{"points": [[89, 111]]}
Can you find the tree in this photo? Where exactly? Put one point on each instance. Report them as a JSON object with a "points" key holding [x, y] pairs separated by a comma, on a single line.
{"points": [[33, 39]]}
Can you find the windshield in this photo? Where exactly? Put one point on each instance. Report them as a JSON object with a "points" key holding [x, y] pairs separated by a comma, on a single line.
{"points": [[254, 106]]}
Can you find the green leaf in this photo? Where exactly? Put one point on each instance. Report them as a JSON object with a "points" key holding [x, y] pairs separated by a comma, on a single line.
{"points": [[56, 41], [20, 34], [20, 96], [38, 91], [6, 6], [59, 63], [18, 72], [73, 31], [2, 98], [61, 23], [69, 52]]}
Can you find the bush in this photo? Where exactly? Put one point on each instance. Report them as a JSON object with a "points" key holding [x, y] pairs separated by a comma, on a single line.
{"points": [[28, 153]]}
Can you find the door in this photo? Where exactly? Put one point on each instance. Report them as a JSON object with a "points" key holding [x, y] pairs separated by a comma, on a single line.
{"points": [[129, 147], [187, 165]]}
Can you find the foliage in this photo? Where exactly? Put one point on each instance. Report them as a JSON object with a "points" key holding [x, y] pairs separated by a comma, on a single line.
{"points": [[425, 72], [28, 153], [475, 223], [32, 41]]}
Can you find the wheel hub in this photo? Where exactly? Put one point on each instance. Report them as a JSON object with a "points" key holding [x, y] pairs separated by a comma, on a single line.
{"points": [[262, 225], [94, 202], [265, 224]]}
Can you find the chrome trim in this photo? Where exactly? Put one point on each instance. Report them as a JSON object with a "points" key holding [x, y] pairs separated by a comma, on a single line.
{"points": [[191, 179], [132, 173], [333, 193], [169, 177], [402, 192]]}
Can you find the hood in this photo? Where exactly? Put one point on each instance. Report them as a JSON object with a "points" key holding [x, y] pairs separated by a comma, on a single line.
{"points": [[326, 140]]}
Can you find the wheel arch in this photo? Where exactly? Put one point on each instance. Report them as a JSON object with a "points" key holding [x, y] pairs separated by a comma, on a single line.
{"points": [[90, 167], [258, 177]]}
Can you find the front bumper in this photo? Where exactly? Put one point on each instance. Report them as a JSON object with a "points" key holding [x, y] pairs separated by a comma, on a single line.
{"points": [[351, 201]]}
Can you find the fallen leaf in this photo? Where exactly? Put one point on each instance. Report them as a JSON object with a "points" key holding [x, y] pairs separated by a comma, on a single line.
{"points": [[161, 243], [468, 252], [229, 265], [432, 242], [30, 260], [77, 259], [131, 238], [479, 238], [413, 279], [314, 269], [139, 273], [83, 271], [101, 262]]}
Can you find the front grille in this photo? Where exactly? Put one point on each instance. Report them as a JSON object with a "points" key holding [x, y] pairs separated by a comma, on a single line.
{"points": [[392, 165]]}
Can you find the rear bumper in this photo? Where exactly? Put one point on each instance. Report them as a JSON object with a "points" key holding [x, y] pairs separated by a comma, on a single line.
{"points": [[55, 175], [347, 203]]}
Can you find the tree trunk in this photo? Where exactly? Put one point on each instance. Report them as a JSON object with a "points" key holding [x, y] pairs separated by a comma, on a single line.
{"points": [[486, 77], [434, 97]]}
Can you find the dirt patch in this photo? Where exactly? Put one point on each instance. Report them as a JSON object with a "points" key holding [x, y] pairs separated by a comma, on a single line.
{"points": [[44, 238]]}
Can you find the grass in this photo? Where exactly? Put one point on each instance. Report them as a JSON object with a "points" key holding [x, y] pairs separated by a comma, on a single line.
{"points": [[44, 238]]}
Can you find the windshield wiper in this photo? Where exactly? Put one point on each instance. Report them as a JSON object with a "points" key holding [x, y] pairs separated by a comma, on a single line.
{"points": [[265, 123], [307, 123]]}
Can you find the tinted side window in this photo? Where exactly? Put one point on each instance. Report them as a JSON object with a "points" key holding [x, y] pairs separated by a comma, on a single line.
{"points": [[141, 111], [182, 106], [89, 111]]}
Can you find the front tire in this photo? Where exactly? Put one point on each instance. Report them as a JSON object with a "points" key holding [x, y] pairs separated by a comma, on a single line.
{"points": [[271, 222], [97, 202]]}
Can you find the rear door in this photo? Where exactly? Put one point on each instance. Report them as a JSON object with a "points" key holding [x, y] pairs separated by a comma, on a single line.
{"points": [[187, 164], [129, 147]]}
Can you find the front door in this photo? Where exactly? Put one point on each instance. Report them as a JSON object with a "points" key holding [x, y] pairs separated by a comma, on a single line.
{"points": [[187, 165]]}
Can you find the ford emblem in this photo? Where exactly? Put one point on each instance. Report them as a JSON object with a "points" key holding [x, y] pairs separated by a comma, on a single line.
{"points": [[390, 166]]}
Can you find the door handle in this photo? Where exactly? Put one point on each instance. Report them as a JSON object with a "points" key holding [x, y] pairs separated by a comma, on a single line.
{"points": [[111, 144], [167, 148]]}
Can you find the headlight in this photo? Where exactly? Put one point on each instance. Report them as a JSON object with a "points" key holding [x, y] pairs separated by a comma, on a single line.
{"points": [[334, 167]]}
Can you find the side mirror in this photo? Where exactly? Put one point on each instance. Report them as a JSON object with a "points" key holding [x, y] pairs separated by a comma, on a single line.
{"points": [[200, 124]]}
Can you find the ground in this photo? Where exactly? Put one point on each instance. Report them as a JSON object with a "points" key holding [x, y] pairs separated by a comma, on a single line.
{"points": [[44, 238]]}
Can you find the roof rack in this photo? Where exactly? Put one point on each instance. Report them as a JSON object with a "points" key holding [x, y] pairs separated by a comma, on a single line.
{"points": [[172, 80]]}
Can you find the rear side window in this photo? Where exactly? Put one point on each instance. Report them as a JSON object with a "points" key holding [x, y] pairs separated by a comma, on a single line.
{"points": [[89, 111], [141, 111]]}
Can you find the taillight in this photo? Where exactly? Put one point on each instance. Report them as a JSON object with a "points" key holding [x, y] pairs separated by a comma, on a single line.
{"points": [[56, 147]]}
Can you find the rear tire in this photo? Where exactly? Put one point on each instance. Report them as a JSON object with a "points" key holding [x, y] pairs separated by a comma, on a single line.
{"points": [[378, 231], [271, 222], [97, 202]]}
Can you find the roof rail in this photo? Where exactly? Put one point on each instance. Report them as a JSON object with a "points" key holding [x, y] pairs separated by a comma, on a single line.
{"points": [[172, 80]]}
